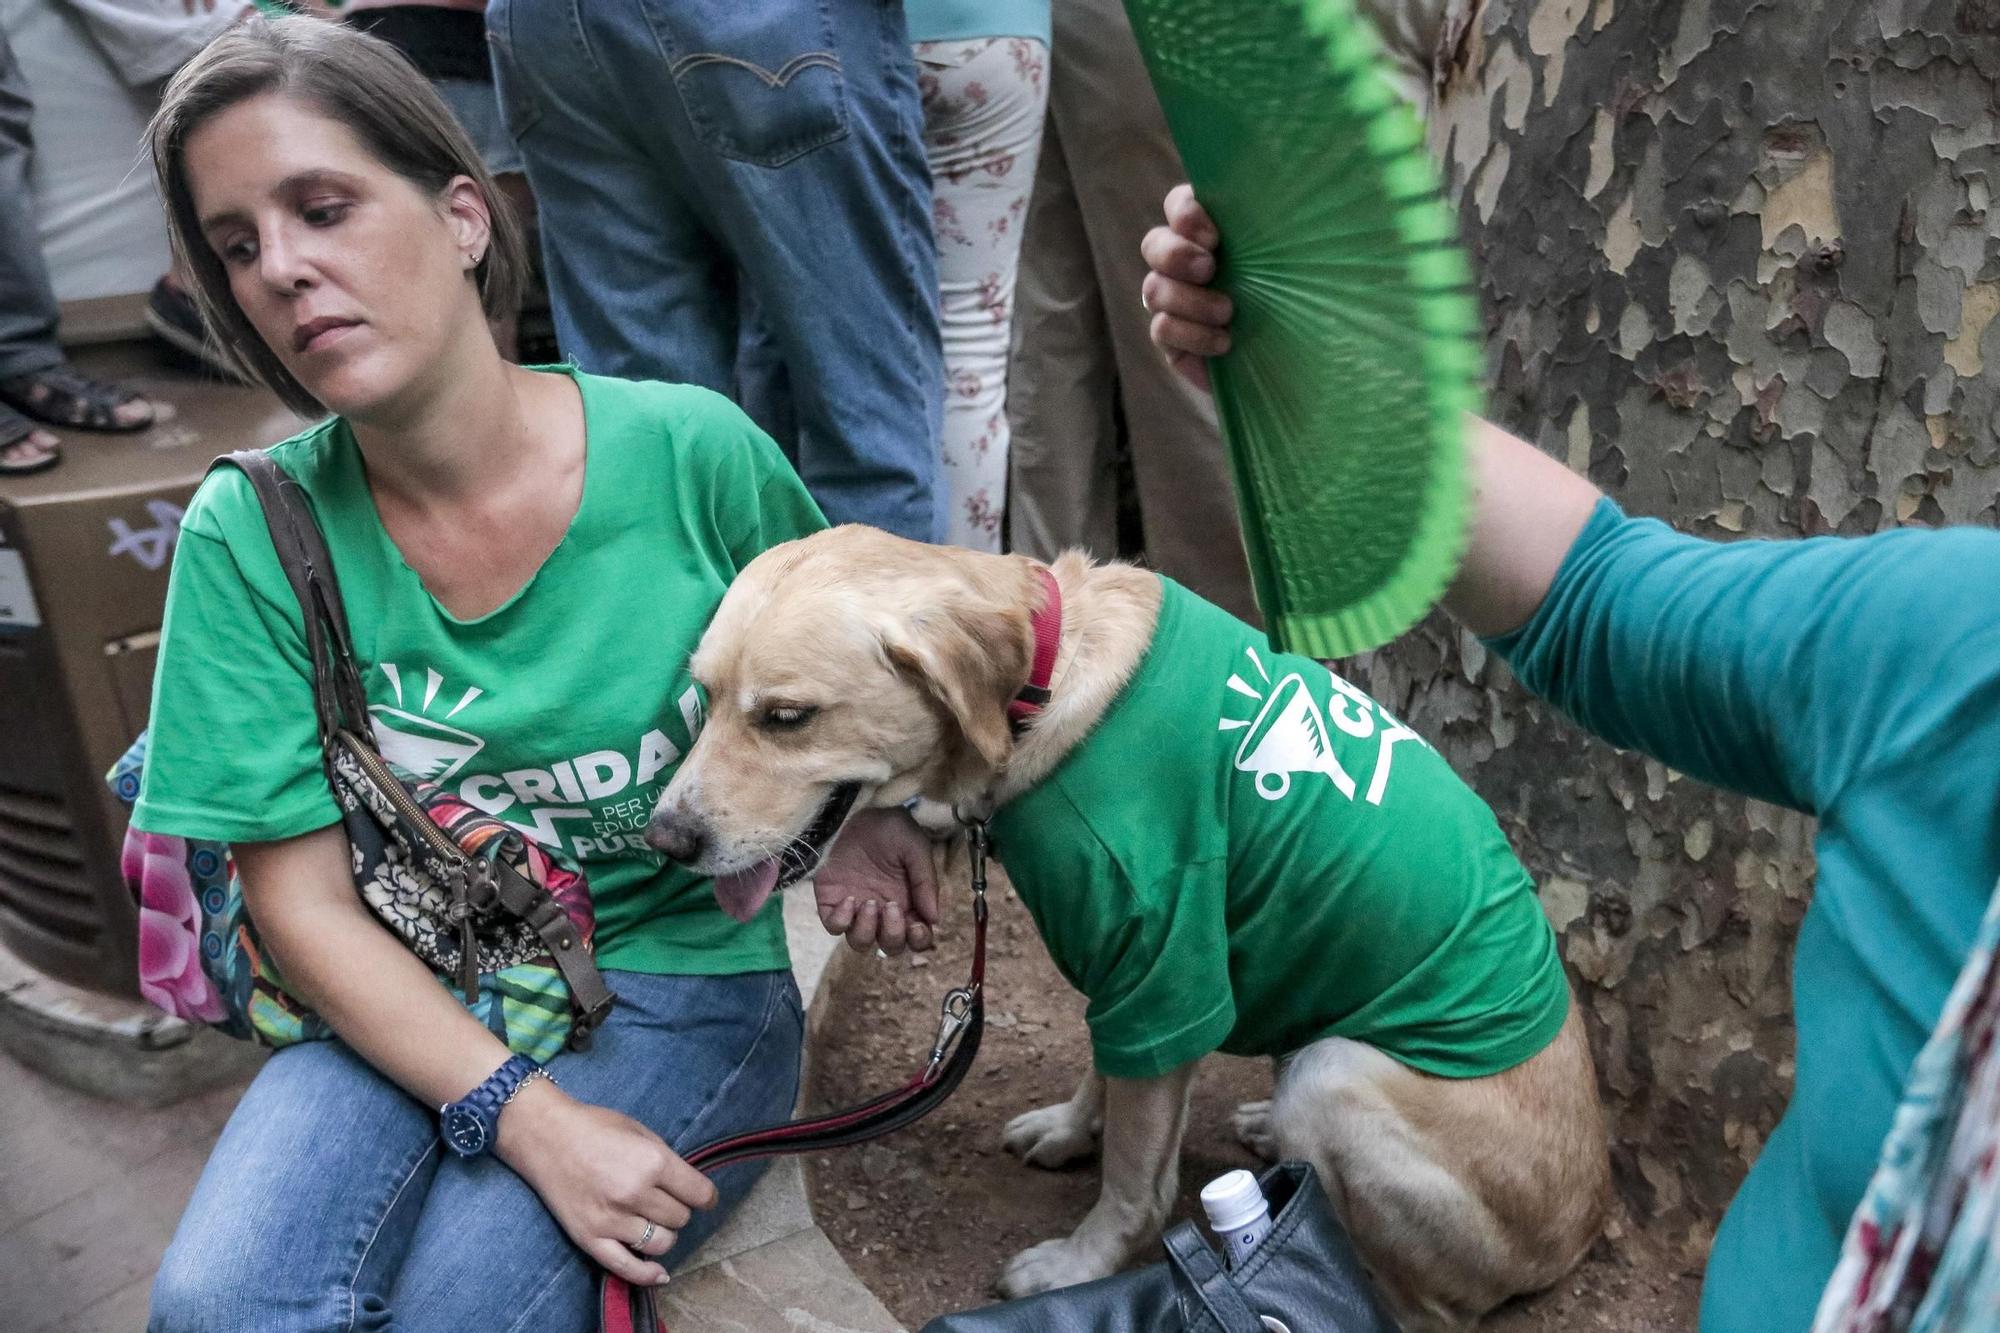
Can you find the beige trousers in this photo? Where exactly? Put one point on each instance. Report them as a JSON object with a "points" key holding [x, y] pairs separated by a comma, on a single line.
{"points": [[1080, 334]]}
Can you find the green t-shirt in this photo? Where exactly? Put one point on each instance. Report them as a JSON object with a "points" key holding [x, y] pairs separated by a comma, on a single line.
{"points": [[564, 712], [1248, 854]]}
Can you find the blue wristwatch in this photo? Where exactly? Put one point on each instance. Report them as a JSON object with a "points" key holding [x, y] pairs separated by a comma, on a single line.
{"points": [[469, 1124]]}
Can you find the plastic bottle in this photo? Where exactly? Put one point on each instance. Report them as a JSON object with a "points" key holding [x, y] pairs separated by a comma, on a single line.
{"points": [[1238, 1211]]}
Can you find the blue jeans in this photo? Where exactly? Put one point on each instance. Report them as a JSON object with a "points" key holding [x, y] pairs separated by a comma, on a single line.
{"points": [[328, 1203], [734, 193], [27, 303]]}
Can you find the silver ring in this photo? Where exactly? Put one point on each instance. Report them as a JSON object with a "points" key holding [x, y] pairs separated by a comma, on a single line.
{"points": [[644, 1236]]}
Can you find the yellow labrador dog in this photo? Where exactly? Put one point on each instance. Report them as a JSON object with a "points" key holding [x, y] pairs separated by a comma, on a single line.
{"points": [[1224, 847]]}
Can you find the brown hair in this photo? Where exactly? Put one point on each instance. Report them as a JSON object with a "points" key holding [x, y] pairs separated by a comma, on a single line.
{"points": [[366, 85]]}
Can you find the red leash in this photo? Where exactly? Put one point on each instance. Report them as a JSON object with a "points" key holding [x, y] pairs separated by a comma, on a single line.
{"points": [[624, 1308]]}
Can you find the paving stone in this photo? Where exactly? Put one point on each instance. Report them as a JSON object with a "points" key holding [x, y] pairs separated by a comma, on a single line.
{"points": [[796, 1285], [123, 1311]]}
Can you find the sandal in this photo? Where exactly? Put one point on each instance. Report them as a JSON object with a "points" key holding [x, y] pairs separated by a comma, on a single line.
{"points": [[19, 457], [61, 396]]}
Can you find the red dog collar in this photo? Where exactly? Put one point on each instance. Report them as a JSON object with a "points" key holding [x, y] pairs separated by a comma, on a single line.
{"points": [[1034, 696]]}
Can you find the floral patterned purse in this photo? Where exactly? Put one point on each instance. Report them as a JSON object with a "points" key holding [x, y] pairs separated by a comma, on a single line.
{"points": [[491, 912]]}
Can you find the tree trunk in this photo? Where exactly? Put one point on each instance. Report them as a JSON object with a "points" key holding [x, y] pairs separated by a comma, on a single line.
{"points": [[1739, 263]]}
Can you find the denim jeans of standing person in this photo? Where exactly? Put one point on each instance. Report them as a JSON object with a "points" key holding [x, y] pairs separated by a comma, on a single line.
{"points": [[699, 159], [329, 1202], [27, 302]]}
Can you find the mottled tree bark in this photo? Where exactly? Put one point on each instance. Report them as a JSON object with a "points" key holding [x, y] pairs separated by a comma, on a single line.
{"points": [[1739, 263]]}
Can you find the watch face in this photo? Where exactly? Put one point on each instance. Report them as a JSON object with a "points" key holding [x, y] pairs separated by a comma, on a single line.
{"points": [[464, 1131]]}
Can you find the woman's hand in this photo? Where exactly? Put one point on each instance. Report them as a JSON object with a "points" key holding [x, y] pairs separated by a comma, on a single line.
{"points": [[878, 886], [603, 1176], [1190, 321]]}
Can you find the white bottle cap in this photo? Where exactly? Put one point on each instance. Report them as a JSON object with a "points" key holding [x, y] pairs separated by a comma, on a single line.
{"points": [[1233, 1200]]}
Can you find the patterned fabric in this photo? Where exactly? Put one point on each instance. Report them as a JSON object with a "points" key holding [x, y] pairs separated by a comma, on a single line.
{"points": [[199, 957], [983, 106], [1923, 1251]]}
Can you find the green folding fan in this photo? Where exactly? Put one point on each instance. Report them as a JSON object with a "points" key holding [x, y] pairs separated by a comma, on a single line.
{"points": [[1354, 349]]}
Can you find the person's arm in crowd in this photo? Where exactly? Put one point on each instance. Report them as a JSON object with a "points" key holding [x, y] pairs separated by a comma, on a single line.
{"points": [[1742, 663], [598, 1172]]}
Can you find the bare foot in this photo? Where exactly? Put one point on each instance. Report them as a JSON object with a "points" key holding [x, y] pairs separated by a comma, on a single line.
{"points": [[37, 451]]}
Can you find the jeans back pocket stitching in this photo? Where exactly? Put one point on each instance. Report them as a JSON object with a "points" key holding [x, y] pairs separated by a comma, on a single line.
{"points": [[790, 70]]}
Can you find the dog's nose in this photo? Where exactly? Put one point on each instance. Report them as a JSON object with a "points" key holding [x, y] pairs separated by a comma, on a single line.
{"points": [[677, 837]]}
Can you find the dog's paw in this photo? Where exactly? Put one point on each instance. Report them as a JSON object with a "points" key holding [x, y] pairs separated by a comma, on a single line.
{"points": [[1051, 1137], [1252, 1122], [1052, 1264]]}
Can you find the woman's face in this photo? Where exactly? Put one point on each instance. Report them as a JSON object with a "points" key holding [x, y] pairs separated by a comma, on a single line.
{"points": [[355, 277]]}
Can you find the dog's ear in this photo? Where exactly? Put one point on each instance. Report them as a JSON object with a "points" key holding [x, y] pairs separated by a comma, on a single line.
{"points": [[972, 658]]}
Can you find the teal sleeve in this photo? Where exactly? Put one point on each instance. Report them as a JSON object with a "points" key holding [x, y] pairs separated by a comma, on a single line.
{"points": [[233, 752], [1159, 988], [1782, 669]]}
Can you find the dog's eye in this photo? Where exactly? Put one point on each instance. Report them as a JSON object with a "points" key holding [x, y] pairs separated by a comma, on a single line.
{"points": [[787, 718]]}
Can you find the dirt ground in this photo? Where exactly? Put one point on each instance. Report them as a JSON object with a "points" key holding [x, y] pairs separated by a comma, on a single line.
{"points": [[927, 1217]]}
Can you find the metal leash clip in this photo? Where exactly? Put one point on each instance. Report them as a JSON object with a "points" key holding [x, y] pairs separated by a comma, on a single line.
{"points": [[957, 1009], [980, 843], [959, 1000]]}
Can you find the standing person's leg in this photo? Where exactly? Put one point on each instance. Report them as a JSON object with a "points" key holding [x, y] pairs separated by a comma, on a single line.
{"points": [[33, 375], [638, 285], [1186, 499], [762, 386], [984, 105], [27, 303], [307, 1204], [691, 1058], [27, 306], [1062, 468], [802, 137]]}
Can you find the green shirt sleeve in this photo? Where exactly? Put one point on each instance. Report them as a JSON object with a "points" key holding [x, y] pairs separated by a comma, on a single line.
{"points": [[1159, 987], [784, 511], [1777, 668], [234, 748], [759, 498]]}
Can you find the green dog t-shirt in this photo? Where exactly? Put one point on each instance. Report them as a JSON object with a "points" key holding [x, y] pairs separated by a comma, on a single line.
{"points": [[1248, 854]]}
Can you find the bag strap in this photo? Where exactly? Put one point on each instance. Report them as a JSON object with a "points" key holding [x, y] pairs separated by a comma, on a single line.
{"points": [[1195, 1262], [338, 695], [341, 703], [589, 997]]}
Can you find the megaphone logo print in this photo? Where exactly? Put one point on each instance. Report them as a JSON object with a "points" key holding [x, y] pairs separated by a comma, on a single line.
{"points": [[1287, 736], [419, 744]]}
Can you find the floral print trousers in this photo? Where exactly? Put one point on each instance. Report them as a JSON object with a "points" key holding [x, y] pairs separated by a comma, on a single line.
{"points": [[983, 106]]}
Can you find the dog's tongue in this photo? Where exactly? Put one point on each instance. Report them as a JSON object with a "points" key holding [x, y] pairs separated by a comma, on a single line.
{"points": [[742, 893]]}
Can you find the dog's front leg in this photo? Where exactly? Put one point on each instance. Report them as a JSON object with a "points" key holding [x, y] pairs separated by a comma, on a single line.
{"points": [[1054, 1136], [1144, 1120]]}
